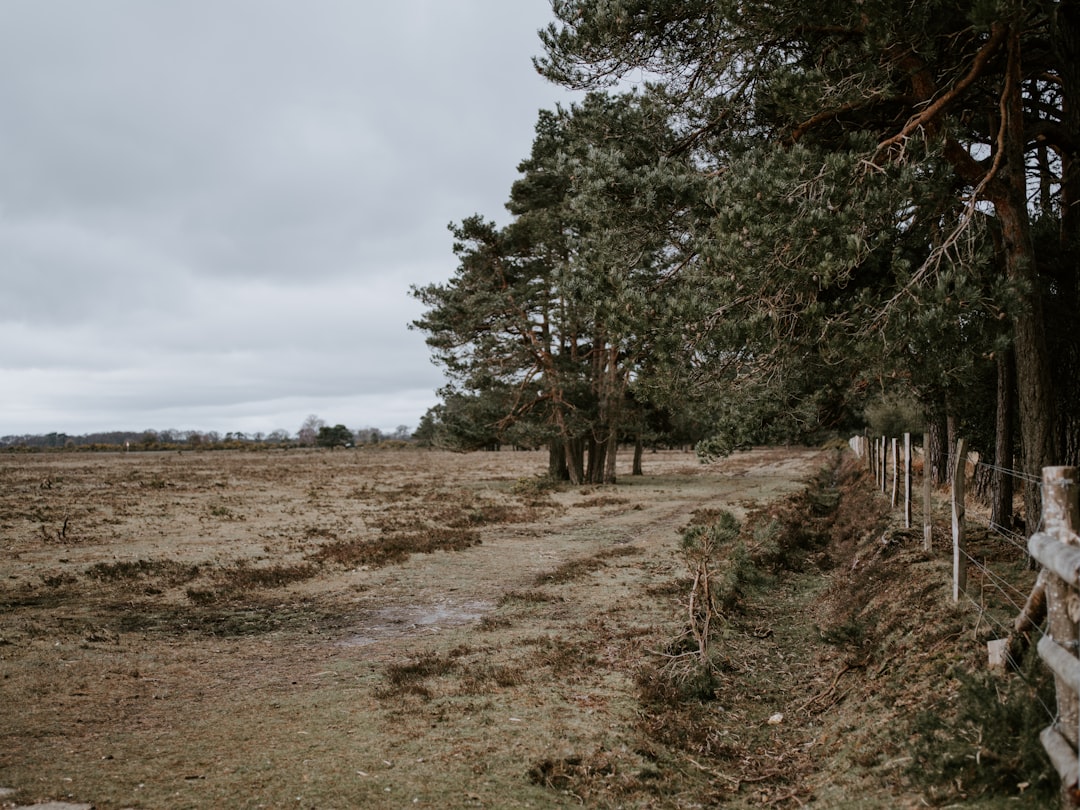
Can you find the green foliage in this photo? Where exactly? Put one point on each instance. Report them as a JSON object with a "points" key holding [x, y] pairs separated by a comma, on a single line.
{"points": [[336, 436], [986, 743], [720, 565], [550, 320], [894, 415], [844, 224]]}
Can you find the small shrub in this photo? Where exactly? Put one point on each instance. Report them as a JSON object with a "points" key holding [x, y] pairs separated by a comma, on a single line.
{"points": [[717, 565]]}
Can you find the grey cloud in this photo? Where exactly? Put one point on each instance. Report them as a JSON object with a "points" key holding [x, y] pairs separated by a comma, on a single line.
{"points": [[215, 208]]}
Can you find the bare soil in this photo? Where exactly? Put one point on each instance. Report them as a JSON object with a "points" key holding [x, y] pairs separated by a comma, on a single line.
{"points": [[407, 628]]}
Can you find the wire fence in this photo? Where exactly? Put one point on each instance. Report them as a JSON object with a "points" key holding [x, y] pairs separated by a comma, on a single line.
{"points": [[992, 566], [994, 571]]}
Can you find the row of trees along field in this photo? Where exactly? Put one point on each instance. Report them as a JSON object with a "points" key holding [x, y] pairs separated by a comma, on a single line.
{"points": [[808, 207]]}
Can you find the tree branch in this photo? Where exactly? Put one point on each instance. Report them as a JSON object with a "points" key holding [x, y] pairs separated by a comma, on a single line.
{"points": [[998, 32]]}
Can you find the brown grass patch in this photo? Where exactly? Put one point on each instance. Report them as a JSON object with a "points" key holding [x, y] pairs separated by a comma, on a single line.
{"points": [[395, 547]]}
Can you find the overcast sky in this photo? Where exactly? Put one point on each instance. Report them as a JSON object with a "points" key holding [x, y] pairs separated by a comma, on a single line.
{"points": [[211, 211]]}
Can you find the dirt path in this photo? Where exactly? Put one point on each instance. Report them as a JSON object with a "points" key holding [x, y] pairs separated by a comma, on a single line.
{"points": [[427, 594], [501, 675]]}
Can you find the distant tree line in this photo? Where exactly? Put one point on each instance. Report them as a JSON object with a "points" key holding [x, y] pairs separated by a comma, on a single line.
{"points": [[313, 433]]}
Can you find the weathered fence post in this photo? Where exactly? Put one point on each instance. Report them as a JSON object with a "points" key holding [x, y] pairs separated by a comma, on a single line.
{"points": [[895, 471], [907, 480], [927, 528], [959, 550], [1057, 550]]}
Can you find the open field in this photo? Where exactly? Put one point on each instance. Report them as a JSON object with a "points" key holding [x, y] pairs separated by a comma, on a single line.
{"points": [[376, 628], [251, 630]]}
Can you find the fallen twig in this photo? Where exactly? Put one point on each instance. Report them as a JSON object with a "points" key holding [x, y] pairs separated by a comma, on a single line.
{"points": [[827, 692]]}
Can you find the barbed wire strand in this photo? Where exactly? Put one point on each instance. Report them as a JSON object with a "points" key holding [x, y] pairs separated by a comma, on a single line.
{"points": [[1003, 585], [1012, 538], [1020, 474], [991, 619]]}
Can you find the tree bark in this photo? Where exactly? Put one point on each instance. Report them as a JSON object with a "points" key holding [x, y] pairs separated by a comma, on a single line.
{"points": [[1065, 36], [1033, 374], [937, 455], [609, 458], [594, 473], [557, 468], [575, 460], [1001, 506], [951, 430]]}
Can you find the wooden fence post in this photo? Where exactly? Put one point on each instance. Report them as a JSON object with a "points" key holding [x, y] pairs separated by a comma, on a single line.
{"points": [[907, 480], [959, 549], [895, 471], [1058, 550], [927, 528]]}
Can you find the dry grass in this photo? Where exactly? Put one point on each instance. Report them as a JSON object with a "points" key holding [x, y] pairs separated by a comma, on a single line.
{"points": [[358, 629]]}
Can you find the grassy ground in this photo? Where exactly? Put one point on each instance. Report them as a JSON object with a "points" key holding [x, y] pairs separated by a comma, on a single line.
{"points": [[362, 629]]}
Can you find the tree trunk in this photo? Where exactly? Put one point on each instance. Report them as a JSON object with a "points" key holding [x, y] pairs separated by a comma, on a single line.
{"points": [[1033, 374], [557, 468], [950, 429], [1001, 506], [575, 461], [594, 473], [609, 458], [936, 459], [1065, 340]]}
